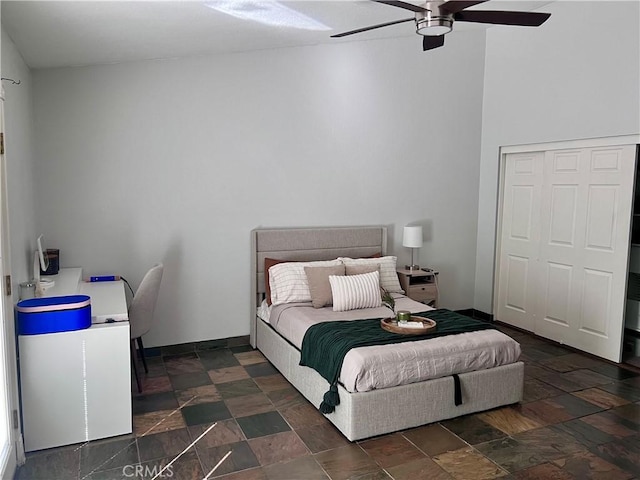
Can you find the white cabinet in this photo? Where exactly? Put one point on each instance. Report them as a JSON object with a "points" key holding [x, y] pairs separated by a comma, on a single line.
{"points": [[75, 386]]}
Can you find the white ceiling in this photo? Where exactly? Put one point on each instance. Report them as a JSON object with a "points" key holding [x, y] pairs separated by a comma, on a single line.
{"points": [[69, 33]]}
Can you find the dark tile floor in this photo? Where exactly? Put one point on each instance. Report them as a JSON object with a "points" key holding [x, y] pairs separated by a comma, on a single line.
{"points": [[580, 419]]}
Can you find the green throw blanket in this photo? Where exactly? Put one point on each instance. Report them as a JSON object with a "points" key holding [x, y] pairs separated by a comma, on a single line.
{"points": [[325, 345]]}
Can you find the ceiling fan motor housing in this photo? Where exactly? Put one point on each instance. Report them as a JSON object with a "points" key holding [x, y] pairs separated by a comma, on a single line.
{"points": [[432, 22]]}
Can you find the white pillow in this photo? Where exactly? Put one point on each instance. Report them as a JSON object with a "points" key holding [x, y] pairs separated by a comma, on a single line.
{"points": [[288, 281], [355, 291], [388, 274]]}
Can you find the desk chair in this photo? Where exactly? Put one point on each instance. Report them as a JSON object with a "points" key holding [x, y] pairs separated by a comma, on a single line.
{"points": [[141, 314]]}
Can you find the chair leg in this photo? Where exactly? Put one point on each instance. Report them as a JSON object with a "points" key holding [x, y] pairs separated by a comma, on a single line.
{"points": [[133, 364], [141, 350]]}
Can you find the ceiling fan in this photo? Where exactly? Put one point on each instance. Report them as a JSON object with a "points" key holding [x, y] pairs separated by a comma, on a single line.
{"points": [[435, 19]]}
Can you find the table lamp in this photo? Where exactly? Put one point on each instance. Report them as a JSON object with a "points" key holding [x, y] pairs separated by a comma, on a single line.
{"points": [[412, 238]]}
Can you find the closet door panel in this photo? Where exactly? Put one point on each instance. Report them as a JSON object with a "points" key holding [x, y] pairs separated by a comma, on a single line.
{"points": [[519, 240], [517, 283], [559, 261], [562, 224], [596, 302], [559, 281], [605, 248], [586, 212], [602, 204]]}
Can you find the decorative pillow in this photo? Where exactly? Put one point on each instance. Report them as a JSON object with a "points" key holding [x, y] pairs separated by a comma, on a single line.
{"points": [[319, 286], [360, 269], [351, 292], [268, 263], [288, 282], [388, 275]]}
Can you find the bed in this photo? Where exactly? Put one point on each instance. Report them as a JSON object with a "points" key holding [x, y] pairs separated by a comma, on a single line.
{"points": [[364, 412]]}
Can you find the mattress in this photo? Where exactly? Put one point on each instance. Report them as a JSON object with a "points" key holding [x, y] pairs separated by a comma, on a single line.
{"points": [[383, 366]]}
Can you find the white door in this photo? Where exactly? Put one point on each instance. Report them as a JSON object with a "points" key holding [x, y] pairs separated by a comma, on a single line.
{"points": [[520, 239], [9, 433], [562, 271], [587, 201]]}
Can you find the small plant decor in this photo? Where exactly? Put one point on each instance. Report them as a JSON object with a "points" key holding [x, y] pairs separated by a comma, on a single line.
{"points": [[389, 302]]}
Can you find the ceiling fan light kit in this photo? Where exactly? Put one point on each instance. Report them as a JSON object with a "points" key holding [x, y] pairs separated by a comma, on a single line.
{"points": [[435, 19], [431, 25]]}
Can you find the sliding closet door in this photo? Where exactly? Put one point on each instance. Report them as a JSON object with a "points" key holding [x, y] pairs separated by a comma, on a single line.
{"points": [[584, 249], [565, 218], [520, 239]]}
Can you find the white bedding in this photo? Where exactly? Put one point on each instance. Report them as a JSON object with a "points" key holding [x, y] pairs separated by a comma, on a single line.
{"points": [[376, 367], [264, 311]]}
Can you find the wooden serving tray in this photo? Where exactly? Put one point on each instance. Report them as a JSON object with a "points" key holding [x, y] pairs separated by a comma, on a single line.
{"points": [[390, 325]]}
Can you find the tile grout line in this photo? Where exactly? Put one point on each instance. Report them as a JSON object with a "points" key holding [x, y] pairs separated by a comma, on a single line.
{"points": [[185, 450], [217, 465], [135, 440]]}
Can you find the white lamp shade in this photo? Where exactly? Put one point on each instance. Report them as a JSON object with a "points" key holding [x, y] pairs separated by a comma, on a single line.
{"points": [[412, 237]]}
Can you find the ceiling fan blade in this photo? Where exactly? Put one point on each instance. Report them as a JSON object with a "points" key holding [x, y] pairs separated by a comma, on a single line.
{"points": [[523, 19], [456, 6], [429, 43], [372, 27], [405, 5]]}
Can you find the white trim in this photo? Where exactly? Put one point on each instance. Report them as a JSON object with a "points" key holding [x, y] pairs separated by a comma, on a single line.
{"points": [[566, 144], [8, 370], [497, 245]]}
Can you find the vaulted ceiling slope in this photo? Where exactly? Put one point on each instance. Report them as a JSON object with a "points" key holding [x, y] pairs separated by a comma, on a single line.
{"points": [[52, 34]]}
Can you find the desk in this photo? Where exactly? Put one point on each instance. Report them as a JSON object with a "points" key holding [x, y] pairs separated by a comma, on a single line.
{"points": [[108, 300], [76, 386]]}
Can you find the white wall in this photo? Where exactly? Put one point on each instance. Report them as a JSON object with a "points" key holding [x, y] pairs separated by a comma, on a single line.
{"points": [[177, 160], [576, 76], [19, 139]]}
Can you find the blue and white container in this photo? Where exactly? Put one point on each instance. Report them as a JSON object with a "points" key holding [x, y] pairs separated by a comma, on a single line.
{"points": [[53, 314]]}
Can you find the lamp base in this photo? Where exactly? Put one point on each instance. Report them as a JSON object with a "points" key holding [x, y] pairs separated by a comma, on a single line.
{"points": [[412, 267]]}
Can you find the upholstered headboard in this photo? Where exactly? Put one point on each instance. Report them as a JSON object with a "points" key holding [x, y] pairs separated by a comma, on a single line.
{"points": [[308, 244]]}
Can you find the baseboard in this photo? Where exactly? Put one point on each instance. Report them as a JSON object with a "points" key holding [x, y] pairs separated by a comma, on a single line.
{"points": [[477, 314], [631, 333], [480, 315], [190, 347], [467, 312]]}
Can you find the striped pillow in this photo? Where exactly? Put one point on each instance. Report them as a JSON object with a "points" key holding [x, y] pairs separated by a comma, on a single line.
{"points": [[289, 283], [355, 291]]}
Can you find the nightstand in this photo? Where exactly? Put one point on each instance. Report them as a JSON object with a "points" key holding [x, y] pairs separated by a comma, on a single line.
{"points": [[420, 285]]}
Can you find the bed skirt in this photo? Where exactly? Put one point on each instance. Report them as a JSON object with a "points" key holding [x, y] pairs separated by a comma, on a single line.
{"points": [[367, 414]]}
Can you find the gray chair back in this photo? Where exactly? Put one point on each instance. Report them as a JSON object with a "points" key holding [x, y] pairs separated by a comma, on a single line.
{"points": [[144, 302]]}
